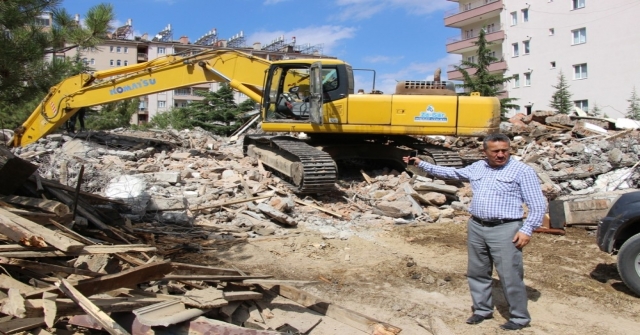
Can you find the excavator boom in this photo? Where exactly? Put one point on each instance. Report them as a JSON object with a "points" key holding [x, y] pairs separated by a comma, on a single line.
{"points": [[243, 72]]}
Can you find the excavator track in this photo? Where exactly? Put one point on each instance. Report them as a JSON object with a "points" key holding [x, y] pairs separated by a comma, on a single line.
{"points": [[445, 157], [318, 172]]}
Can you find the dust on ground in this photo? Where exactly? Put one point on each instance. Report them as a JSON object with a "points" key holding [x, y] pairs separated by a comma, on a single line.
{"points": [[409, 273]]}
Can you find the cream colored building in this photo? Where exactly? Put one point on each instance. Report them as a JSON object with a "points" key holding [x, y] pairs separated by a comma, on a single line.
{"points": [[593, 43]]}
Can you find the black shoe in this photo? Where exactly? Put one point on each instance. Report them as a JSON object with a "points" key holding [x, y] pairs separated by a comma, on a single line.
{"points": [[477, 318], [510, 325]]}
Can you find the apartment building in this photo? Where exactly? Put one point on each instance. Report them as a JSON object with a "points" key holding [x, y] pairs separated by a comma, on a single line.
{"points": [[592, 42]]}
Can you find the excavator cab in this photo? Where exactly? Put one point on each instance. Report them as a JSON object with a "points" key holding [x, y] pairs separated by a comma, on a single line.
{"points": [[295, 92]]}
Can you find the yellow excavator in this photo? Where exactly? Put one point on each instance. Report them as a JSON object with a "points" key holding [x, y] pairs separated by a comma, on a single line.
{"points": [[311, 96]]}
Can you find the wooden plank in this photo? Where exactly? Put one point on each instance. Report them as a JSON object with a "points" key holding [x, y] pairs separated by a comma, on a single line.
{"points": [[231, 202], [24, 252], [212, 277], [276, 215], [20, 325], [49, 308], [80, 238], [127, 278], [203, 270], [48, 268], [53, 238], [66, 307], [20, 234], [110, 282], [14, 305], [318, 208], [344, 315], [7, 282], [65, 198], [241, 295], [101, 317], [56, 185], [366, 177], [50, 206]]}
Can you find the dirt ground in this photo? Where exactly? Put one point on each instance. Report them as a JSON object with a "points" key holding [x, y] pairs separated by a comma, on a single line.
{"points": [[404, 273]]}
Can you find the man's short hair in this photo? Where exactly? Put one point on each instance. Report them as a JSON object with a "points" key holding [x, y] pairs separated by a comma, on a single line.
{"points": [[495, 137]]}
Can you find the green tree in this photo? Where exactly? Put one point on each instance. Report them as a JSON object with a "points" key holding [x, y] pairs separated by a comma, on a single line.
{"points": [[482, 81], [561, 98], [25, 75], [596, 111], [633, 111], [113, 115], [217, 113]]}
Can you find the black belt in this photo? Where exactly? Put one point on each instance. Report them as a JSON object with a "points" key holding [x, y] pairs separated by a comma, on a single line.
{"points": [[491, 223]]}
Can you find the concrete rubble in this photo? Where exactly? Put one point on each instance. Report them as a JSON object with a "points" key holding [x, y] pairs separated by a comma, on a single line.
{"points": [[184, 191]]}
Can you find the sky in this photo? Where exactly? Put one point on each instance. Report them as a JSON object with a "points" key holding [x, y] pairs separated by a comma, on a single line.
{"points": [[399, 39]]}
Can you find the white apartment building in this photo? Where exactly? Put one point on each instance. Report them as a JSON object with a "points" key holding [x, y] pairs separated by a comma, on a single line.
{"points": [[593, 43]]}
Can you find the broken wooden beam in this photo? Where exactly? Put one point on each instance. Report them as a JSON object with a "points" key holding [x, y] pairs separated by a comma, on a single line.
{"points": [[49, 268], [231, 202], [213, 277], [18, 251], [101, 317], [66, 307], [318, 208], [54, 238], [49, 206], [20, 234]]}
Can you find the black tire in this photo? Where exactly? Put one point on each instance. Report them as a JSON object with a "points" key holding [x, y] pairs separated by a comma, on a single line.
{"points": [[629, 263]]}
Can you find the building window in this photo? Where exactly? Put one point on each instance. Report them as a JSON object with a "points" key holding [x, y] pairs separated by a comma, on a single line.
{"points": [[525, 15], [516, 80], [111, 48], [514, 18], [490, 28], [527, 79], [126, 50], [577, 4], [160, 50], [111, 62], [468, 33], [182, 91], [85, 61], [579, 36], [118, 63], [471, 59], [553, 65], [93, 61], [42, 22], [580, 71], [516, 50], [525, 46], [582, 104], [118, 49], [492, 54], [126, 62], [552, 31], [161, 103]]}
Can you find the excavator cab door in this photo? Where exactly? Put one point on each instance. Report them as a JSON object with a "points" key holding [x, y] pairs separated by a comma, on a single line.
{"points": [[315, 97]]}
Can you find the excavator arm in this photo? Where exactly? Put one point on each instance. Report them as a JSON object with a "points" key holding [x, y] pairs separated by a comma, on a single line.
{"points": [[243, 72]]}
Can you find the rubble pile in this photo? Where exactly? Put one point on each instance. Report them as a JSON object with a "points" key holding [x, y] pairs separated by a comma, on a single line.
{"points": [[70, 260], [105, 211]]}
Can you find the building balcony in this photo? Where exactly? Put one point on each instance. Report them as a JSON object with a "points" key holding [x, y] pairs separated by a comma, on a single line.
{"points": [[461, 44], [142, 57], [454, 74], [473, 12]]}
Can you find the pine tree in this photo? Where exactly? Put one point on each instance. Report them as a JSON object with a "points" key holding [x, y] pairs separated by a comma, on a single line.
{"points": [[561, 98], [482, 81], [25, 76], [633, 111], [217, 113], [595, 111]]}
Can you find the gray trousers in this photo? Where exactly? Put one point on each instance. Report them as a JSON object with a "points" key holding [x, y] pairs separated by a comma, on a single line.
{"points": [[493, 245]]}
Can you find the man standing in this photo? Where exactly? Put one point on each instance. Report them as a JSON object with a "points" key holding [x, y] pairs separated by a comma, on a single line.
{"points": [[496, 231]]}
